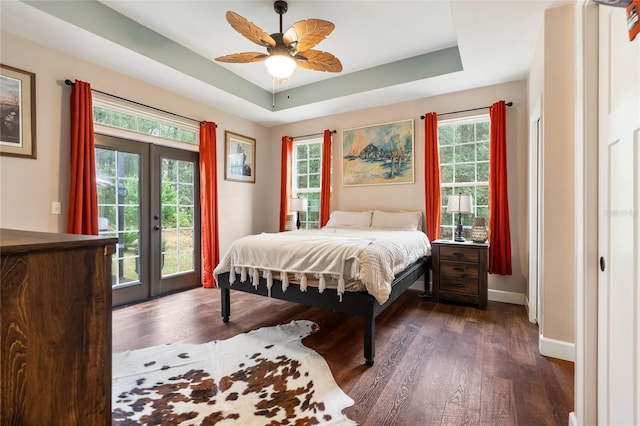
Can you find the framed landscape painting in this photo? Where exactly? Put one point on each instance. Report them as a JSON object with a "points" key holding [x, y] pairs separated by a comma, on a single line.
{"points": [[379, 154], [17, 112], [239, 158]]}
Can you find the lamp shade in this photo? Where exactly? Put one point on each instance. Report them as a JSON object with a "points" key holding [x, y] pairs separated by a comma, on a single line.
{"points": [[459, 204], [280, 65], [298, 205]]}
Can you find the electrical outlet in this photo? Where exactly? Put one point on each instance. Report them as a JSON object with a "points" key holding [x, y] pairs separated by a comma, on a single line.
{"points": [[56, 207]]}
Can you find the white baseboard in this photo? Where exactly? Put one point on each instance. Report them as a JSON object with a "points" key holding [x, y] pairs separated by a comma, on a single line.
{"points": [[573, 421], [507, 297], [557, 348]]}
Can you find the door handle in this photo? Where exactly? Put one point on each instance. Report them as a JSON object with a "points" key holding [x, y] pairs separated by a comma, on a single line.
{"points": [[602, 263], [156, 228]]}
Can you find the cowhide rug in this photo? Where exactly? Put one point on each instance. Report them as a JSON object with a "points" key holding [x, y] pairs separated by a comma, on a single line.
{"points": [[264, 377]]}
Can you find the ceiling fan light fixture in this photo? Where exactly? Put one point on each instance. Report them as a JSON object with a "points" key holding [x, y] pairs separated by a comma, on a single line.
{"points": [[280, 65], [286, 50]]}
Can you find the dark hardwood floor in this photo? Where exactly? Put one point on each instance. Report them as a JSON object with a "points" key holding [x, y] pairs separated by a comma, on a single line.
{"points": [[435, 364]]}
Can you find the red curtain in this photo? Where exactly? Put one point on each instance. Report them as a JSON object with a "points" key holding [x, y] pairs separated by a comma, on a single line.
{"points": [[209, 202], [83, 196], [285, 179], [499, 233], [431, 176], [325, 188]]}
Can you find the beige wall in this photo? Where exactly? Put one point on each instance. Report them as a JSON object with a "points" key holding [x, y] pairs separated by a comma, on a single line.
{"points": [[28, 187], [244, 208], [411, 196], [552, 77]]}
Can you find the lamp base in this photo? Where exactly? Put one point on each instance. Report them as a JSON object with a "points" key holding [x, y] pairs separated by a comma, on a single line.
{"points": [[459, 238], [298, 220]]}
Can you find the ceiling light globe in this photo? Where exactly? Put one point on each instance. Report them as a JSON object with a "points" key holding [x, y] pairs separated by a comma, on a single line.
{"points": [[280, 66]]}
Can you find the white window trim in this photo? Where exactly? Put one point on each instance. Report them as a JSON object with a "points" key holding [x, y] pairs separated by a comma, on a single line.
{"points": [[464, 120]]}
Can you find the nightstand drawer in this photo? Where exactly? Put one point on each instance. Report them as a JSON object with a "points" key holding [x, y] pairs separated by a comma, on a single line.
{"points": [[459, 254], [459, 271], [460, 277], [459, 286]]}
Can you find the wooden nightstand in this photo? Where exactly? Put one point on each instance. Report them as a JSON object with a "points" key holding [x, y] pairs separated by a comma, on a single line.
{"points": [[460, 271]]}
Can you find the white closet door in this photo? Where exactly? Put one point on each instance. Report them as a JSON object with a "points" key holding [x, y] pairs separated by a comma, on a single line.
{"points": [[619, 227]]}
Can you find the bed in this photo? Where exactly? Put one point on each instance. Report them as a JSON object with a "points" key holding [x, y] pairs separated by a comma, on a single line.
{"points": [[358, 264]]}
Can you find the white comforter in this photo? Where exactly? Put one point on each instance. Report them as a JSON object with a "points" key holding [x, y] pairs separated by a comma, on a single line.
{"points": [[330, 256]]}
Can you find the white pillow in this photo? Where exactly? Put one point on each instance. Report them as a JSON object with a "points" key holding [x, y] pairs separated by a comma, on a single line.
{"points": [[344, 219], [398, 221]]}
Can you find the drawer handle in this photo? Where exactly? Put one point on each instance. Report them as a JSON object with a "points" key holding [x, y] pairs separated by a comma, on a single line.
{"points": [[459, 285], [458, 254], [458, 269]]}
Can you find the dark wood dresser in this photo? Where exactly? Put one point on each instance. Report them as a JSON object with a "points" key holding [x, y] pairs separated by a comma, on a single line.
{"points": [[55, 326], [460, 271]]}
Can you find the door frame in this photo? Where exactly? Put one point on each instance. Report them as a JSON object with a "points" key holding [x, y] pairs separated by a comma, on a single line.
{"points": [[586, 208], [536, 176]]}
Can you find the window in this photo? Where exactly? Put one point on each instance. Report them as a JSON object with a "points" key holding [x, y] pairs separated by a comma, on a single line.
{"points": [[464, 168], [137, 119], [307, 177]]}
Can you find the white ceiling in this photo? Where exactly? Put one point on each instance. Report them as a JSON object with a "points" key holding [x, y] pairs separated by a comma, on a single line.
{"points": [[173, 43]]}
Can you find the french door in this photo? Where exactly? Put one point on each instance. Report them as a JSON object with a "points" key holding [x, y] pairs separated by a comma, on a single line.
{"points": [[148, 197]]}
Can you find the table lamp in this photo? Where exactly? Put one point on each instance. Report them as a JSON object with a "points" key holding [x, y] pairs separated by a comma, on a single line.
{"points": [[459, 204], [298, 205]]}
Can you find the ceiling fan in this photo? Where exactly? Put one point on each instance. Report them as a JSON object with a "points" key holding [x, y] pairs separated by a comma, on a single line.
{"points": [[285, 50]]}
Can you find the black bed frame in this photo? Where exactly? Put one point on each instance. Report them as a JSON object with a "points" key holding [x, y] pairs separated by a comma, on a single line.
{"points": [[355, 303]]}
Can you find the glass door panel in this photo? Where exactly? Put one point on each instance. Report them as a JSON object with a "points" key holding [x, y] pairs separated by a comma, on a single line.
{"points": [[178, 206], [122, 211]]}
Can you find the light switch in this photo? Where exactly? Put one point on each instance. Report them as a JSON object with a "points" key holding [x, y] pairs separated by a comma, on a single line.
{"points": [[56, 207]]}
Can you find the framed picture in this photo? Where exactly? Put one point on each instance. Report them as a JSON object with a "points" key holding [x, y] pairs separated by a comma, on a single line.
{"points": [[239, 158], [379, 154], [17, 112]]}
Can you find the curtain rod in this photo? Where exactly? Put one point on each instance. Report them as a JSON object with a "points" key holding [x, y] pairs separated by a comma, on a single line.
{"points": [[466, 110], [311, 134], [71, 83]]}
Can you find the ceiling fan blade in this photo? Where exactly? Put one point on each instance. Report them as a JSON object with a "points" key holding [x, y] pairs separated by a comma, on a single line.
{"points": [[243, 58], [318, 61], [303, 35], [250, 30]]}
